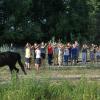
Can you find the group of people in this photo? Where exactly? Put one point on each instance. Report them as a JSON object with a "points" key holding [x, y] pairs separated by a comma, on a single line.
{"points": [[59, 54]]}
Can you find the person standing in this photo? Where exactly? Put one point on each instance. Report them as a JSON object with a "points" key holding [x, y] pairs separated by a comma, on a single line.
{"points": [[74, 54], [98, 54], [33, 52], [77, 47], [66, 55], [38, 58], [60, 55], [92, 53], [70, 49], [50, 53], [55, 54], [43, 53], [27, 55], [84, 54]]}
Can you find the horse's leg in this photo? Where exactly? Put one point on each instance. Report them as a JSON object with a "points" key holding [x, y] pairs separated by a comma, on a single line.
{"points": [[11, 68], [17, 70], [22, 67]]}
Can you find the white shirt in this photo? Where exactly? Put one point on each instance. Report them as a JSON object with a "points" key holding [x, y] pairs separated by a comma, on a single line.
{"points": [[38, 53]]}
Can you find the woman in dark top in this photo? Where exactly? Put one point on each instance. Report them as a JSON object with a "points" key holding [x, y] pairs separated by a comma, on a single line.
{"points": [[43, 53]]}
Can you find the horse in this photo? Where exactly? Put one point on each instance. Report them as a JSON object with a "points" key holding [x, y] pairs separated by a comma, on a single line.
{"points": [[10, 59]]}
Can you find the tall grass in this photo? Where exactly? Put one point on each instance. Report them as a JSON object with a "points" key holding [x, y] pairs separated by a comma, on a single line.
{"points": [[33, 89]]}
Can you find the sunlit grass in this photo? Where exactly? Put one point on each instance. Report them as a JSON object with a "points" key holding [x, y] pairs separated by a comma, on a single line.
{"points": [[45, 89], [51, 83]]}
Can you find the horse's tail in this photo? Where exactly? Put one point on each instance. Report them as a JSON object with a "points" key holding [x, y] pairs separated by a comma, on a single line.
{"points": [[20, 63]]}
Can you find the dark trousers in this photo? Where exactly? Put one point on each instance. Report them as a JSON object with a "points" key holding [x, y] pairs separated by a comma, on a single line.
{"points": [[50, 59], [66, 59], [74, 59]]}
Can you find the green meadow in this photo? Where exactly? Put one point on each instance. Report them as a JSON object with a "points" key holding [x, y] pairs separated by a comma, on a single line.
{"points": [[51, 84]]}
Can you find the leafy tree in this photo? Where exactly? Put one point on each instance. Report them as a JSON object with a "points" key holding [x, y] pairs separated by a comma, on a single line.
{"points": [[37, 20]]}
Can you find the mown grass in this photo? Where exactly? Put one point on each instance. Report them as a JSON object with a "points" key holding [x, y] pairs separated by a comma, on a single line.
{"points": [[45, 89]]}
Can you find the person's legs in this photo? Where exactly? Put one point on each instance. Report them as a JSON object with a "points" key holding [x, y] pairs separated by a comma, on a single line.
{"points": [[43, 59], [59, 60], [75, 59], [65, 59], [70, 58], [49, 59], [92, 57], [83, 58], [54, 60], [38, 64], [27, 63], [77, 56]]}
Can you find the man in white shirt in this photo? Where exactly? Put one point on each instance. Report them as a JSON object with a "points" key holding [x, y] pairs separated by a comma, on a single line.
{"points": [[38, 58]]}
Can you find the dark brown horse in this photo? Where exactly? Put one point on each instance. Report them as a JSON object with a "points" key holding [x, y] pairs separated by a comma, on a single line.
{"points": [[10, 59]]}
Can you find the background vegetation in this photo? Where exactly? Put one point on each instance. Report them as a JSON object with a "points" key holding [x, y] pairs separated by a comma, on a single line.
{"points": [[32, 89], [40, 20]]}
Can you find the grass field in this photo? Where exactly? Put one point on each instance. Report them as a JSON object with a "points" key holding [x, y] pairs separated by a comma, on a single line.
{"points": [[81, 82], [51, 83], [70, 73]]}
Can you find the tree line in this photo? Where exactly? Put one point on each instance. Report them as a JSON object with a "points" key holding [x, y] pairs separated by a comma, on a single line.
{"points": [[40, 20]]}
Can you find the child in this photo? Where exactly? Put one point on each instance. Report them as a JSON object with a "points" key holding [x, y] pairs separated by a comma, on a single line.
{"points": [[66, 55]]}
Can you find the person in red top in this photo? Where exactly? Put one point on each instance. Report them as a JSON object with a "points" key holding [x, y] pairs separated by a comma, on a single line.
{"points": [[50, 53]]}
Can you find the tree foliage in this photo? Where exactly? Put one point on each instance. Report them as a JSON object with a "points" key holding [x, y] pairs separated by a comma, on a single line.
{"points": [[37, 20]]}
